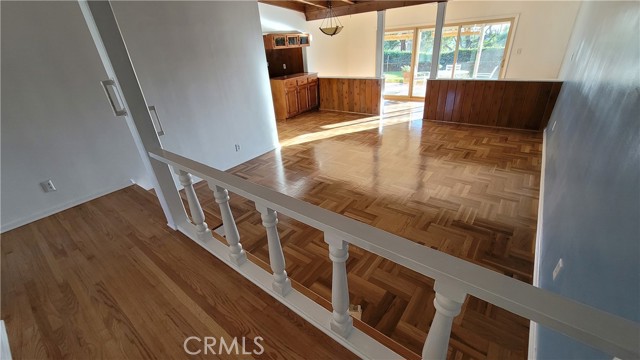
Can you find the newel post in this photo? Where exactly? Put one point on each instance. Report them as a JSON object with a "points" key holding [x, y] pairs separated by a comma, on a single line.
{"points": [[231, 234], [448, 303], [197, 215], [341, 321], [281, 283]]}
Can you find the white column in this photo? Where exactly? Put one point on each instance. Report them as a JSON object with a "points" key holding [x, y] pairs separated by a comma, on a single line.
{"points": [[236, 254], [437, 39], [380, 44], [448, 303], [341, 321], [197, 215], [115, 59], [281, 283]]}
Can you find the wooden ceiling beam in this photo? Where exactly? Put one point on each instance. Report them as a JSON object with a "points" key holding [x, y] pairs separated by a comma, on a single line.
{"points": [[311, 3], [362, 7], [291, 5]]}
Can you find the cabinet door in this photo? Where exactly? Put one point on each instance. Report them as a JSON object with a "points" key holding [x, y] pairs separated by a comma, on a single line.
{"points": [[304, 40], [279, 41], [313, 94], [293, 40], [292, 102], [303, 97]]}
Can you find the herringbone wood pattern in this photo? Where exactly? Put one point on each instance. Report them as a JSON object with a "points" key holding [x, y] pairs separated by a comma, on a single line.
{"points": [[468, 191]]}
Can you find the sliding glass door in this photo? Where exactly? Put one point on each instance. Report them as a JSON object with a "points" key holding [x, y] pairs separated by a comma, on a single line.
{"points": [[467, 51], [423, 62], [473, 51], [398, 60]]}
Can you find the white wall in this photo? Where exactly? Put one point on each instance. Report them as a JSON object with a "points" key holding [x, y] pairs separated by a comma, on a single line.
{"points": [[56, 121], [542, 31], [277, 19], [202, 64], [591, 193], [350, 53]]}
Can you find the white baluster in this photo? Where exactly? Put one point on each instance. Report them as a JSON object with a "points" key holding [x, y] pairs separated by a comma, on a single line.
{"points": [[448, 303], [281, 283], [197, 215], [237, 254], [341, 321]]}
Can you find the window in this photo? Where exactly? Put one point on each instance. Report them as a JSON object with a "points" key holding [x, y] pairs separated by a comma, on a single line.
{"points": [[467, 51]]}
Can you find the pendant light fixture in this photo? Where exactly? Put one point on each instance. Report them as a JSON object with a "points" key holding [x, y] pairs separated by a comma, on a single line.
{"points": [[333, 25]]}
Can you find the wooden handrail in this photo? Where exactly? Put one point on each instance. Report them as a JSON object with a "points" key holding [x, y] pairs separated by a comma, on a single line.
{"points": [[610, 333]]}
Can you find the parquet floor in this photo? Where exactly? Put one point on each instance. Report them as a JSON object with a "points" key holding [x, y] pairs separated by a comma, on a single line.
{"points": [[108, 280], [471, 192]]}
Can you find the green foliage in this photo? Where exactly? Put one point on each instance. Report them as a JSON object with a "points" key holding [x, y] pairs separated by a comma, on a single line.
{"points": [[393, 77], [394, 60]]}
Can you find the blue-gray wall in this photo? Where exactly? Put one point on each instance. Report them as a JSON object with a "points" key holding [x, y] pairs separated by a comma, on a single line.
{"points": [[591, 200]]}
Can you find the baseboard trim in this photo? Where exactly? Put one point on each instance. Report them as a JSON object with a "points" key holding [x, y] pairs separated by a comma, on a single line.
{"points": [[480, 125], [533, 326], [56, 209]]}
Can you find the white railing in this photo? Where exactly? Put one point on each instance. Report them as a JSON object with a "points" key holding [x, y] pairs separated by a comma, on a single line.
{"points": [[454, 278]]}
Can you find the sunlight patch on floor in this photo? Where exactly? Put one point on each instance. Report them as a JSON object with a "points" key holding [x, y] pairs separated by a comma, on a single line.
{"points": [[352, 126]]}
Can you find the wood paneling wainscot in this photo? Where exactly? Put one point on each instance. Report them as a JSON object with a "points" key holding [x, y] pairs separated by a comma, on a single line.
{"points": [[498, 103], [353, 95]]}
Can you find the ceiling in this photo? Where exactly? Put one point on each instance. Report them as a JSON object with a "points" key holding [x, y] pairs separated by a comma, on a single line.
{"points": [[315, 10]]}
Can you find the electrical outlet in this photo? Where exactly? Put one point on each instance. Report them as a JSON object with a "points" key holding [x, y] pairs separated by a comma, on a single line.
{"points": [[48, 186], [237, 147], [557, 269], [519, 51], [284, 66]]}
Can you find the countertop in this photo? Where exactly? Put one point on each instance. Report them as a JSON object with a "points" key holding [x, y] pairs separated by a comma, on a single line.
{"points": [[351, 77], [293, 76]]}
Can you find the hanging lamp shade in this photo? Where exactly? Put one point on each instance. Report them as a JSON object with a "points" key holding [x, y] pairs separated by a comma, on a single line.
{"points": [[331, 25]]}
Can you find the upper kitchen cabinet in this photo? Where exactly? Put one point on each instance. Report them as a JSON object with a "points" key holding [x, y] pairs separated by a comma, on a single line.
{"points": [[305, 40], [286, 41], [275, 41]]}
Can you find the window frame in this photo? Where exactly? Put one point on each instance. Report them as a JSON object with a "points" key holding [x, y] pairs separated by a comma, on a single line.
{"points": [[512, 20]]}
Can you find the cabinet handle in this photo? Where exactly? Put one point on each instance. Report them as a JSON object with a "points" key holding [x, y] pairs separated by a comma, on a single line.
{"points": [[118, 110], [159, 129]]}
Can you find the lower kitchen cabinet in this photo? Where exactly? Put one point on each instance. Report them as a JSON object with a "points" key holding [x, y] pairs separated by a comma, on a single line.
{"points": [[294, 94]]}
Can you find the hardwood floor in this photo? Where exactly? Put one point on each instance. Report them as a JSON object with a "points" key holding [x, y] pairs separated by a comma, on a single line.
{"points": [[108, 279], [469, 191]]}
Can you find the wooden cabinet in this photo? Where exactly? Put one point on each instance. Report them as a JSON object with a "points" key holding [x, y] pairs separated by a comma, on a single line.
{"points": [[313, 94], [305, 40], [303, 98], [294, 94], [286, 41], [275, 41], [293, 108], [293, 40]]}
